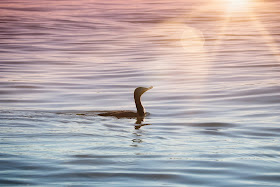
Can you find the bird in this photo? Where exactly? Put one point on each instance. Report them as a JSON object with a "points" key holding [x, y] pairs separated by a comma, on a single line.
{"points": [[140, 114]]}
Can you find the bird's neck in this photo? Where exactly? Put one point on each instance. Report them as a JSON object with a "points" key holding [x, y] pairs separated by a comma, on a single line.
{"points": [[139, 106]]}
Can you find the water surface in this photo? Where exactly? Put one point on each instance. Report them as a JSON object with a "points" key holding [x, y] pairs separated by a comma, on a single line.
{"points": [[214, 106]]}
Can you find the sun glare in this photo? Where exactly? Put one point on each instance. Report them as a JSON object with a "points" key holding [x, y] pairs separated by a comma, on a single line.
{"points": [[237, 5]]}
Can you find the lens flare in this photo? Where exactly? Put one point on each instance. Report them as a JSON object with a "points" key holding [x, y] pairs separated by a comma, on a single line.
{"points": [[192, 40]]}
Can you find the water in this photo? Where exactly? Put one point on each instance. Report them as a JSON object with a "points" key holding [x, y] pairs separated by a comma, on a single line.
{"points": [[214, 106]]}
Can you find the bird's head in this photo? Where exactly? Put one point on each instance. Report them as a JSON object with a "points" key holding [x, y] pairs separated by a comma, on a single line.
{"points": [[140, 90]]}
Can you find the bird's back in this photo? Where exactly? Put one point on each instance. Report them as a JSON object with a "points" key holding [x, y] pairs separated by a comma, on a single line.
{"points": [[120, 114]]}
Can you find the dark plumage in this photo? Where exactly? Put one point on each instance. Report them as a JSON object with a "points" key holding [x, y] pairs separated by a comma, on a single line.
{"points": [[140, 114], [120, 114]]}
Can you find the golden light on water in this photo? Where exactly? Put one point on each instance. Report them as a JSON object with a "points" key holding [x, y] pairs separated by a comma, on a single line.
{"points": [[236, 19], [234, 9]]}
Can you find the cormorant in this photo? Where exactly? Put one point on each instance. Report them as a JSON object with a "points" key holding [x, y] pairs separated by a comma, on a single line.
{"points": [[140, 114]]}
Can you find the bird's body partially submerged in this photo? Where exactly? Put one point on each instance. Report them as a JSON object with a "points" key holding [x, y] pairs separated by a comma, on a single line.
{"points": [[140, 114], [122, 114]]}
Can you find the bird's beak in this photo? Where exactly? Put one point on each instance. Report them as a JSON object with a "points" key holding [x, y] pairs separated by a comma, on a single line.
{"points": [[149, 88]]}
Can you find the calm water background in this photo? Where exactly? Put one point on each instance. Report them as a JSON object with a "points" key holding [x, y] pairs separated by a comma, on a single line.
{"points": [[214, 106]]}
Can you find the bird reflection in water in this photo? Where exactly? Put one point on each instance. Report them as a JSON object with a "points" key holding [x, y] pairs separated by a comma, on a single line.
{"points": [[139, 122]]}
